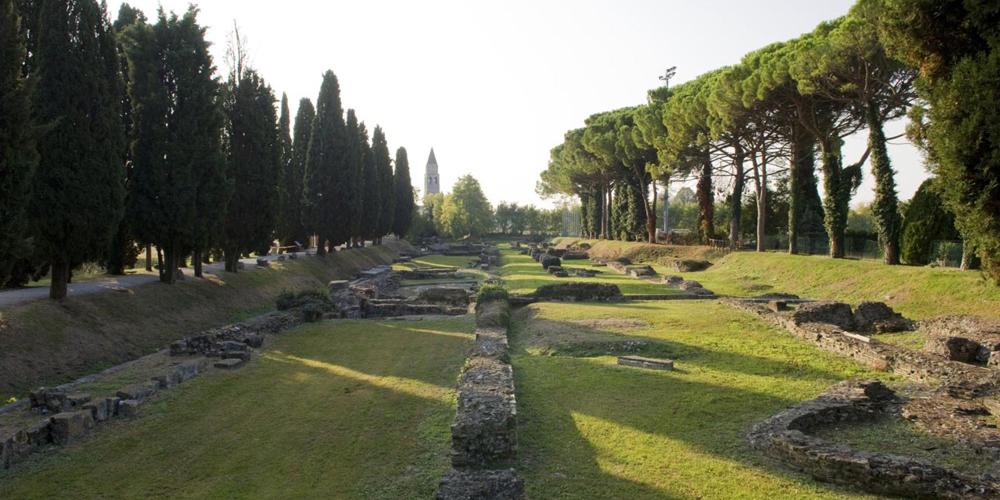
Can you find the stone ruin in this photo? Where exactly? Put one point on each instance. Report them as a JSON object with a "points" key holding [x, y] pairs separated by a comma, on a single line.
{"points": [[375, 295], [967, 339], [787, 437], [579, 292], [484, 433], [691, 265]]}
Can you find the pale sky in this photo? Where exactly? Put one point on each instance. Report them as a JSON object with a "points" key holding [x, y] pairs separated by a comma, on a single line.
{"points": [[493, 86]]}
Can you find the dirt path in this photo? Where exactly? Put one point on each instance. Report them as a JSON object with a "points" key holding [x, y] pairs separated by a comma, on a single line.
{"points": [[22, 295]]}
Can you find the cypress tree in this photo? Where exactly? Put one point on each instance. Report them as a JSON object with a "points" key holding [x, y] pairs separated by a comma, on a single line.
{"points": [[926, 221], [371, 192], [17, 142], [354, 162], [296, 172], [286, 217], [78, 189], [323, 162], [383, 183], [123, 251], [403, 189], [253, 163], [178, 190]]}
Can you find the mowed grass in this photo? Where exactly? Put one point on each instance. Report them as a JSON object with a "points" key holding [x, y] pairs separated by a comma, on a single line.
{"points": [[589, 428], [344, 409], [917, 292], [523, 276]]}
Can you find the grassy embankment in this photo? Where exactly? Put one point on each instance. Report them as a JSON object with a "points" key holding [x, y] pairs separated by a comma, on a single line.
{"points": [[48, 343], [917, 292], [589, 428], [340, 409]]}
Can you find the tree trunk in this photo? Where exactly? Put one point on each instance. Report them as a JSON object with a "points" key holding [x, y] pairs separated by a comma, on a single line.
{"points": [[836, 196], [648, 208], [966, 256], [802, 150], [736, 202], [149, 257], [196, 263], [169, 273], [885, 205], [761, 214], [232, 260], [159, 261], [59, 271], [706, 202], [320, 246]]}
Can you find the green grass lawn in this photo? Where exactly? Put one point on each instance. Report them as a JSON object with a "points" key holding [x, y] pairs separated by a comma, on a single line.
{"points": [[917, 292], [591, 429], [462, 262], [350, 409], [522, 276]]}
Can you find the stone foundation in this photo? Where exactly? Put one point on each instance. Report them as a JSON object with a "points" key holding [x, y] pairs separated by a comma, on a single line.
{"points": [[785, 437], [484, 433]]}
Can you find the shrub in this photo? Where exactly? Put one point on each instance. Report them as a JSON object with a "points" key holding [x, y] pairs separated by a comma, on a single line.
{"points": [[926, 221], [290, 300], [312, 312], [490, 293]]}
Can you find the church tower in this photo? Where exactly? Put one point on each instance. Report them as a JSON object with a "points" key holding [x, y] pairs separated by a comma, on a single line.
{"points": [[432, 183]]}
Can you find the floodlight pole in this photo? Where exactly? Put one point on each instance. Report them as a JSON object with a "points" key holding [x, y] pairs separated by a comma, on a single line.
{"points": [[667, 76]]}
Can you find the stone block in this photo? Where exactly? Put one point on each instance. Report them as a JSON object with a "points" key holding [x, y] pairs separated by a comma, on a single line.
{"points": [[39, 433], [777, 305], [501, 484], [230, 363], [648, 363], [67, 427], [113, 403], [99, 410], [263, 262], [691, 265], [254, 340], [832, 313], [138, 391], [128, 408], [640, 271], [673, 280]]}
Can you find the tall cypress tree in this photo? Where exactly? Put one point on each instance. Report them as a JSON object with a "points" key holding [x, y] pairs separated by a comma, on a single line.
{"points": [[178, 190], [253, 163], [403, 189], [323, 163], [354, 164], [383, 176], [372, 195], [17, 141], [304, 118], [285, 215], [123, 251], [78, 189]]}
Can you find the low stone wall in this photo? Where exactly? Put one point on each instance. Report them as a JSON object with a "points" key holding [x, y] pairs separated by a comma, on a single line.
{"points": [[785, 437], [959, 379], [484, 433], [64, 414]]}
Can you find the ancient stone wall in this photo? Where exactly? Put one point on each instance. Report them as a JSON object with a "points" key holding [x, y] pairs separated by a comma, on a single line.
{"points": [[484, 433], [786, 437]]}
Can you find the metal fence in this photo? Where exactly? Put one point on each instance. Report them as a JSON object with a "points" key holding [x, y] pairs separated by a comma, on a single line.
{"points": [[946, 253]]}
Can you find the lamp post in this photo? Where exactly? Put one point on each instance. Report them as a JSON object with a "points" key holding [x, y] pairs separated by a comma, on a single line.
{"points": [[667, 76]]}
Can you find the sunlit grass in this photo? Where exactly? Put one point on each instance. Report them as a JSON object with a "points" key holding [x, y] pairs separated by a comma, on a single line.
{"points": [[344, 409], [522, 276], [592, 429]]}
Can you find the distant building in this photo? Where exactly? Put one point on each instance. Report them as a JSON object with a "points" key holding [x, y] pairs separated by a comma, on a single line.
{"points": [[432, 183]]}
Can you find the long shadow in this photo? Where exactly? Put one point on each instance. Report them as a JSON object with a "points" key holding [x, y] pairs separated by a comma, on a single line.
{"points": [[686, 353], [357, 337], [564, 400]]}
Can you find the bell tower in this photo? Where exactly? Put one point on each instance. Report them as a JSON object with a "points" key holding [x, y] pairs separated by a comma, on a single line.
{"points": [[432, 183]]}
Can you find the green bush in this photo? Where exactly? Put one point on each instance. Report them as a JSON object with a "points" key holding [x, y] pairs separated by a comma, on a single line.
{"points": [[290, 300], [925, 222], [490, 293]]}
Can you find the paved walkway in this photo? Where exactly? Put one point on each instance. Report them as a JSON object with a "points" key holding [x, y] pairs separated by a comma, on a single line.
{"points": [[22, 295]]}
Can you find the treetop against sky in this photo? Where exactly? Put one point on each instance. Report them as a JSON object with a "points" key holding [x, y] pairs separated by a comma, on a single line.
{"points": [[493, 86]]}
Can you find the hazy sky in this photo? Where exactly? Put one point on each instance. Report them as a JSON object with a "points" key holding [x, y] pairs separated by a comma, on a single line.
{"points": [[492, 86]]}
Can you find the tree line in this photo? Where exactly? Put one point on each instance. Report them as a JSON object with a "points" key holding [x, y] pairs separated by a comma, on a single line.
{"points": [[121, 135], [782, 113]]}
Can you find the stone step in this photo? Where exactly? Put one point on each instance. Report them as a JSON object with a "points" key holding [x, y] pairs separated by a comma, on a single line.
{"points": [[648, 363], [230, 363]]}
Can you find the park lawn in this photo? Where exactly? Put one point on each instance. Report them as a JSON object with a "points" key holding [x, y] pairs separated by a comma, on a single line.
{"points": [[917, 292], [589, 428], [340, 409], [523, 276]]}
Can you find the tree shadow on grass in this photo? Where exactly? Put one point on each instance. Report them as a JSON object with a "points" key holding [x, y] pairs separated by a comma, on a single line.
{"points": [[591, 429]]}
